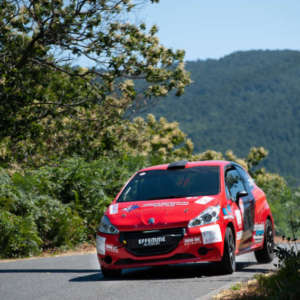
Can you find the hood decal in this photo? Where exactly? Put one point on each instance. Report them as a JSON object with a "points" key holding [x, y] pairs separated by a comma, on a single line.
{"points": [[130, 208], [204, 200], [165, 204]]}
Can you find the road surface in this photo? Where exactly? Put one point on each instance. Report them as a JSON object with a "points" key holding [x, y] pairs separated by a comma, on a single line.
{"points": [[79, 277]]}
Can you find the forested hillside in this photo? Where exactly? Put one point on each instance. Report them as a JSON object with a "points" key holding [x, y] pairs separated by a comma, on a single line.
{"points": [[242, 100]]}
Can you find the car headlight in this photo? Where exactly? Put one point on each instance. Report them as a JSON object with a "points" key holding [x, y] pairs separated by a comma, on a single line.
{"points": [[106, 227], [209, 215]]}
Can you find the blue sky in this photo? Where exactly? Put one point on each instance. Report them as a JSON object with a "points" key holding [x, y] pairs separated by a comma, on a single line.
{"points": [[215, 28]]}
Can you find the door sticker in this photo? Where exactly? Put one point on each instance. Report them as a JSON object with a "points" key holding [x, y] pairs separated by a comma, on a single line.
{"points": [[239, 235], [238, 217], [259, 230]]}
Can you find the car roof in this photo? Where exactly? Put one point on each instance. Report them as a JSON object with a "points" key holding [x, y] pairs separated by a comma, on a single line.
{"points": [[191, 164]]}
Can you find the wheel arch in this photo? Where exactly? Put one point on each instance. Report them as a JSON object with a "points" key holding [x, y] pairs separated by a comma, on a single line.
{"points": [[231, 226]]}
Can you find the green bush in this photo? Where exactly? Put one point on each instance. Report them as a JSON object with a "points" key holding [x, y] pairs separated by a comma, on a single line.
{"points": [[60, 205], [18, 236]]}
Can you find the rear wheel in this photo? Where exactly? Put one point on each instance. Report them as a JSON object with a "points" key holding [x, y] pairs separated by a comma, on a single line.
{"points": [[266, 254], [111, 273], [227, 264]]}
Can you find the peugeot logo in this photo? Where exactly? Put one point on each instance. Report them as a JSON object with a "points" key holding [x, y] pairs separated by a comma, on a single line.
{"points": [[151, 221]]}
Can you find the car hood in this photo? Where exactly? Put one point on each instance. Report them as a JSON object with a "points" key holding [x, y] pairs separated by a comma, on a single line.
{"points": [[158, 213]]}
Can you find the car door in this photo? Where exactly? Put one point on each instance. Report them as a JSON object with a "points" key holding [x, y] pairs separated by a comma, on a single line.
{"points": [[240, 193]]}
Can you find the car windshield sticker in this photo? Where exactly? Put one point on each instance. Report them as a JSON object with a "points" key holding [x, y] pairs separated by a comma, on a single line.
{"points": [[130, 208], [238, 216], [211, 234], [204, 200], [142, 174], [165, 204], [113, 209], [100, 244]]}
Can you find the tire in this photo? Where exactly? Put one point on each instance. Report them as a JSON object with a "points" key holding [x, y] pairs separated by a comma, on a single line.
{"points": [[266, 254], [111, 273], [228, 264]]}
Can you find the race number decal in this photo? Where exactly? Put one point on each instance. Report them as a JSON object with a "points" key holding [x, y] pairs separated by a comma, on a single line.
{"points": [[211, 234], [100, 244]]}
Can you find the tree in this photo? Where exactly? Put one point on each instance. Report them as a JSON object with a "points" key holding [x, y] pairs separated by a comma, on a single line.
{"points": [[41, 39]]}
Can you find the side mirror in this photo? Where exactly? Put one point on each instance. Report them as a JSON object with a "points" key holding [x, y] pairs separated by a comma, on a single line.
{"points": [[240, 195]]}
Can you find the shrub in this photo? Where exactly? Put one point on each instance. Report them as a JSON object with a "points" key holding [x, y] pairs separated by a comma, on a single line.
{"points": [[18, 236]]}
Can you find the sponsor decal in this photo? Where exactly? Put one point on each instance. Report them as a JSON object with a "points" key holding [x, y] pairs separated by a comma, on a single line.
{"points": [[192, 241], [227, 212], [153, 241], [241, 205], [259, 230], [239, 235], [204, 200], [211, 234], [130, 208], [113, 209], [229, 209], [111, 248], [100, 244], [238, 216], [165, 204], [224, 211]]}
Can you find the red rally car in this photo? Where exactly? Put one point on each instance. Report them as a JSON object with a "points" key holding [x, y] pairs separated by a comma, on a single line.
{"points": [[185, 212]]}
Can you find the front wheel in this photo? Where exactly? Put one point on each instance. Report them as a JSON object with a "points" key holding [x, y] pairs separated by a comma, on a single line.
{"points": [[111, 273], [266, 254], [227, 264]]}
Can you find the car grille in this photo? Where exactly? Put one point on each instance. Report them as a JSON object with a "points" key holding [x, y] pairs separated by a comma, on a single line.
{"points": [[151, 242]]}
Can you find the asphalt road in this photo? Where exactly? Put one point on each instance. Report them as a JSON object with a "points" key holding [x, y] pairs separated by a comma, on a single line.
{"points": [[79, 277]]}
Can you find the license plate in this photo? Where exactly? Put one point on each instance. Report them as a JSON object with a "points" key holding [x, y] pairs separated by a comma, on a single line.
{"points": [[152, 241]]}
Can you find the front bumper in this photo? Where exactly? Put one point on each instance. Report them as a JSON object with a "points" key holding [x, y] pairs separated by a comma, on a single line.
{"points": [[197, 244]]}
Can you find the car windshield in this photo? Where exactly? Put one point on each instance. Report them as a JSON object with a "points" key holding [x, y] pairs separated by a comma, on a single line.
{"points": [[175, 183]]}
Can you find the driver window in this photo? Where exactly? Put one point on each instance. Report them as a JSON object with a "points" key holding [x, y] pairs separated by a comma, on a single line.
{"points": [[234, 183]]}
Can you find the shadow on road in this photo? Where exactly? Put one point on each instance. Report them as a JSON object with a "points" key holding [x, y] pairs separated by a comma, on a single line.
{"points": [[48, 271], [196, 270], [181, 271]]}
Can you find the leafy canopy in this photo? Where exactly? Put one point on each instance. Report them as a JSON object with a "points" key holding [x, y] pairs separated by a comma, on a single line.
{"points": [[40, 42]]}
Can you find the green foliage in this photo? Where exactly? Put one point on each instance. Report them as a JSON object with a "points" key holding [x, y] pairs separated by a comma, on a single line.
{"points": [[58, 206], [243, 100], [41, 40], [18, 235], [285, 283]]}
